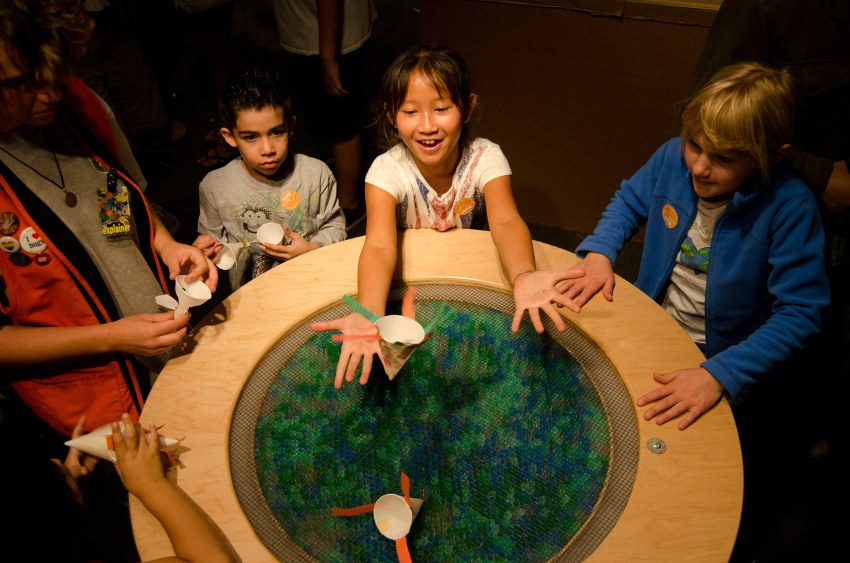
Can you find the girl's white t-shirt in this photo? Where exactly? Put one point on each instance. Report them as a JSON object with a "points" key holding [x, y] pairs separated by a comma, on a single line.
{"points": [[417, 204]]}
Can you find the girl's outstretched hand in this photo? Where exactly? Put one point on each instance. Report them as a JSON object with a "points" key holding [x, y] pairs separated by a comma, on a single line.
{"points": [[536, 290], [358, 343]]}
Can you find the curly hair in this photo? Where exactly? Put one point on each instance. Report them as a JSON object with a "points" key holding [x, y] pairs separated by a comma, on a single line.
{"points": [[43, 36]]}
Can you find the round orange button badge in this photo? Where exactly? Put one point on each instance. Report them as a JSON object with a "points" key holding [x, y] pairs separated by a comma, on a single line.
{"points": [[671, 218], [464, 206], [289, 199]]}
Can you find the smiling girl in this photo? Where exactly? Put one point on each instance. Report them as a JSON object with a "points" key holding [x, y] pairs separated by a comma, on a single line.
{"points": [[435, 176]]}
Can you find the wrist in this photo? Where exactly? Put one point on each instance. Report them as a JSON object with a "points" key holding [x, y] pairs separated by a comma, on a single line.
{"points": [[522, 273]]}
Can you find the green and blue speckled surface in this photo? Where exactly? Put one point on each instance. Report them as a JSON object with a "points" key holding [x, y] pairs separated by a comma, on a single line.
{"points": [[501, 434]]}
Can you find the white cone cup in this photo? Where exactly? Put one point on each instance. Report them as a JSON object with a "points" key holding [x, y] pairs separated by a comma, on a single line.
{"points": [[96, 443], [270, 233], [400, 336], [393, 517], [189, 295], [228, 255]]}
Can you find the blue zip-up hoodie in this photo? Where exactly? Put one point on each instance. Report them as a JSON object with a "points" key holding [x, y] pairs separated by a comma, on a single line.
{"points": [[766, 284]]}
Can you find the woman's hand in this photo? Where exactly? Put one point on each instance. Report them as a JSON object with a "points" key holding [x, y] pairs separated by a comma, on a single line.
{"points": [[535, 290], [146, 335], [189, 260], [354, 347]]}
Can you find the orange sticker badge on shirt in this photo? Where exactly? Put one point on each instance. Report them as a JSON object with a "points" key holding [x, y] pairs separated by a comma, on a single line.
{"points": [[464, 206], [289, 199], [671, 218]]}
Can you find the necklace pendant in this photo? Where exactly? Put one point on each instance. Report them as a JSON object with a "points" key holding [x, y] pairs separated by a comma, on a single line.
{"points": [[70, 199]]}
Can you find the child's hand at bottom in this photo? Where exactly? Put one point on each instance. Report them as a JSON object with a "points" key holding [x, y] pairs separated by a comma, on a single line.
{"points": [[687, 392], [354, 348], [79, 463], [535, 290], [139, 464]]}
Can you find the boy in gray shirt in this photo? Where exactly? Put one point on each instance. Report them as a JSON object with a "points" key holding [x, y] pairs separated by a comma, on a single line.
{"points": [[266, 183]]}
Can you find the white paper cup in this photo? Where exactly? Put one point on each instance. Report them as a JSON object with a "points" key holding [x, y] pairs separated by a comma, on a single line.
{"points": [[398, 329], [270, 233], [400, 336], [393, 517], [227, 255], [189, 295]]}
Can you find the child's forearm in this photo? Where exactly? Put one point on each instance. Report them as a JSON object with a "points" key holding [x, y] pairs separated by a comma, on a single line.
{"points": [[513, 242], [374, 276], [193, 534]]}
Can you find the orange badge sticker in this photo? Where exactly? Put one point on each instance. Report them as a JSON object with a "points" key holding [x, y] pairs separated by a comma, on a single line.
{"points": [[289, 199], [671, 218], [464, 206]]}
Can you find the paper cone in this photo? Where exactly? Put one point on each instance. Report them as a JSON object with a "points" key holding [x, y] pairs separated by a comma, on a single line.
{"points": [[228, 255], [400, 336], [189, 295], [97, 442], [393, 517]]}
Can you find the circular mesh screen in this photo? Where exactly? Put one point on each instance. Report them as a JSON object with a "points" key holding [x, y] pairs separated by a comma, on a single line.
{"points": [[523, 446]]}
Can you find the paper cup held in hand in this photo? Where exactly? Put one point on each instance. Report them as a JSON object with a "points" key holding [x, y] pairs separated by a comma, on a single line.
{"points": [[97, 442], [270, 233], [393, 517], [400, 336], [189, 294], [228, 254]]}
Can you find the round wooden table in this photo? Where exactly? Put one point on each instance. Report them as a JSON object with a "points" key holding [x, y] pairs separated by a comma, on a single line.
{"points": [[684, 503]]}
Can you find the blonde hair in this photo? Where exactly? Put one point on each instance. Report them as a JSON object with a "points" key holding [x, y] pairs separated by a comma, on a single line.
{"points": [[746, 108]]}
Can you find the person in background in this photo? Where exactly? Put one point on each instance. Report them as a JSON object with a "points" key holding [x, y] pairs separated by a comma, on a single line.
{"points": [[326, 39]]}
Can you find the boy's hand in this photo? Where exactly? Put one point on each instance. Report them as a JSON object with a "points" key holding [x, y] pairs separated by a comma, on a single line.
{"points": [[535, 291], [353, 349], [79, 463], [139, 464], [687, 392], [298, 245], [207, 245], [598, 274]]}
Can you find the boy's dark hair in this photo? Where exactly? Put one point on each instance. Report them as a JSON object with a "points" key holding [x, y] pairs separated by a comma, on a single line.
{"points": [[443, 67], [252, 88]]}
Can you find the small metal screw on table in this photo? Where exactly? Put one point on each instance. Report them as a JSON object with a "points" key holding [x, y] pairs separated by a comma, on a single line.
{"points": [[656, 445]]}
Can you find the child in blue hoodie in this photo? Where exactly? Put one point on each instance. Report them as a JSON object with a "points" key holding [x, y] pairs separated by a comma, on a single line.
{"points": [[734, 243]]}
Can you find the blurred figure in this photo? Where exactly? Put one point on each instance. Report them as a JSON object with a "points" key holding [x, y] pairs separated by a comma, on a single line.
{"points": [[327, 39]]}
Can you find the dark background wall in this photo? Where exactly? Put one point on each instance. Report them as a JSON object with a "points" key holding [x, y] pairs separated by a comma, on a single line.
{"points": [[576, 101]]}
